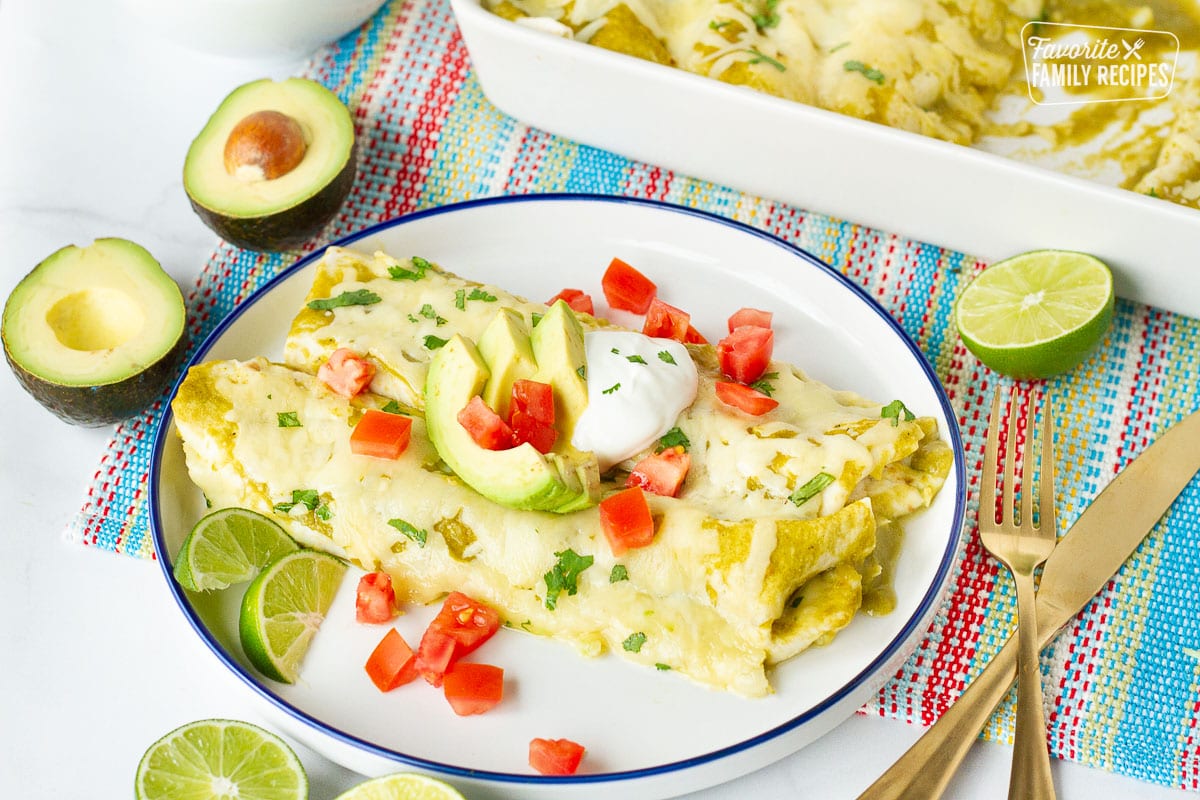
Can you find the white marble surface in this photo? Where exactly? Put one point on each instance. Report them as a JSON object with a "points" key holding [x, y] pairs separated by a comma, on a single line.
{"points": [[96, 661]]}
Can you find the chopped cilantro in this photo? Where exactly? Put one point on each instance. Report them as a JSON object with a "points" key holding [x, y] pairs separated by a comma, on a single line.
{"points": [[764, 384], [713, 25], [418, 535], [615, 352], [664, 355], [309, 498], [428, 312], [661, 667], [288, 419], [564, 577], [894, 411], [673, 438], [612, 388], [413, 319], [837, 47], [870, 73], [392, 407], [812, 488], [763, 58], [322, 511], [633, 643], [619, 573], [582, 371], [480, 294], [535, 318], [433, 342], [399, 273], [460, 299], [768, 18], [635, 359], [358, 297]]}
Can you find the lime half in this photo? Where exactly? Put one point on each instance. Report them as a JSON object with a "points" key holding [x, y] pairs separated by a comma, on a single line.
{"points": [[1038, 314], [402, 786], [283, 608], [217, 759], [229, 546]]}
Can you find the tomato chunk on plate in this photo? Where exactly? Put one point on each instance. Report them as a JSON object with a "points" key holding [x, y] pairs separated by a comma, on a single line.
{"points": [[346, 372], [473, 688], [460, 627], [533, 398], [743, 398], [392, 663], [577, 299], [375, 600], [666, 321], [694, 336], [661, 473], [626, 288], [527, 428], [555, 756], [485, 426], [745, 353], [626, 520], [750, 316], [381, 435]]}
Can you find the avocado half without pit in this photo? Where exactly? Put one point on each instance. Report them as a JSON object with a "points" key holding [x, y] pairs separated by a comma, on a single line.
{"points": [[273, 164], [95, 334]]}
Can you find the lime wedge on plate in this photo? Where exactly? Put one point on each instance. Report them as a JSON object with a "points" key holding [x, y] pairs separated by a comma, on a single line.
{"points": [[283, 608], [402, 786], [1038, 314], [229, 546], [215, 759]]}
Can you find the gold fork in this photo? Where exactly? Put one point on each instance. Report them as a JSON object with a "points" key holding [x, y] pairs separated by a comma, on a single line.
{"points": [[1021, 546]]}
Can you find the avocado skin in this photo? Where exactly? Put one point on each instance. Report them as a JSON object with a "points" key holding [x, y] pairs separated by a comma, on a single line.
{"points": [[288, 229], [97, 406]]}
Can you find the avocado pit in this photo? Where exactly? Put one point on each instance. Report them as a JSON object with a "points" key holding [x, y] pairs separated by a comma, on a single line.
{"points": [[264, 145]]}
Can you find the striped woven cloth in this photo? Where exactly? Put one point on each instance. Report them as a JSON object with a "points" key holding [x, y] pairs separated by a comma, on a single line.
{"points": [[1123, 680]]}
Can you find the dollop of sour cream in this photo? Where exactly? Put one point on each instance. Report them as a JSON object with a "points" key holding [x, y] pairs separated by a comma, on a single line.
{"points": [[637, 387]]}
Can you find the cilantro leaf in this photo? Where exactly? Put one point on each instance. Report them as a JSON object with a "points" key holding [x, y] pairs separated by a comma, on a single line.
{"points": [[673, 438], [480, 294], [418, 535], [763, 58], [460, 299], [812, 488], [433, 342], [619, 573], [399, 273], [633, 643], [288, 419], [894, 411], [664, 355], [564, 577], [635, 359], [309, 498], [870, 73], [764, 384], [661, 667], [582, 371], [392, 407], [612, 388], [358, 297]]}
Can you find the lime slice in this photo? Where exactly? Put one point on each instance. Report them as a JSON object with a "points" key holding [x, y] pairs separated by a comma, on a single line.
{"points": [[402, 786], [283, 607], [1038, 314], [216, 759], [229, 546]]}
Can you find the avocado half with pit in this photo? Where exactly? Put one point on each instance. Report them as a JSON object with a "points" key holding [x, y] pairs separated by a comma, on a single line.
{"points": [[95, 333], [273, 164]]}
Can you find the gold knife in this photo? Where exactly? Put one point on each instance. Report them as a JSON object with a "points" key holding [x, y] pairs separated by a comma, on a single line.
{"points": [[1086, 558]]}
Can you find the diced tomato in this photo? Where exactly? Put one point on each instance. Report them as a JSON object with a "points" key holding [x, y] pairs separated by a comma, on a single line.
{"points": [[666, 321], [533, 398], [392, 662], [661, 473], [626, 521], [693, 337], [577, 299], [744, 398], [555, 756], [485, 426], [473, 688], [626, 288], [527, 428], [375, 600], [750, 316], [381, 434], [346, 372], [745, 353], [460, 627]]}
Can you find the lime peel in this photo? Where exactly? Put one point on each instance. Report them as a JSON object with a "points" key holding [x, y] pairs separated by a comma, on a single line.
{"points": [[402, 786], [1038, 314]]}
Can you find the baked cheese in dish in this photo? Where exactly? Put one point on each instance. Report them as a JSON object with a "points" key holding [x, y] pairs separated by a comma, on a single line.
{"points": [[928, 66], [741, 573]]}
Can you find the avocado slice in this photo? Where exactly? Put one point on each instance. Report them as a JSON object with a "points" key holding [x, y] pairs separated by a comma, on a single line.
{"points": [[519, 477], [505, 347], [273, 164], [557, 342], [95, 333]]}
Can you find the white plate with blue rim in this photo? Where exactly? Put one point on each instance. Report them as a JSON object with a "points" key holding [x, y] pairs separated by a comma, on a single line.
{"points": [[648, 734]]}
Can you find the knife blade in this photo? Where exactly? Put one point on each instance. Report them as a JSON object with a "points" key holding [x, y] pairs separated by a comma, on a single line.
{"points": [[1086, 558]]}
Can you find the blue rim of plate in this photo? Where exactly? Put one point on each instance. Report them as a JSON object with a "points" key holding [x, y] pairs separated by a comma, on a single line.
{"points": [[932, 595]]}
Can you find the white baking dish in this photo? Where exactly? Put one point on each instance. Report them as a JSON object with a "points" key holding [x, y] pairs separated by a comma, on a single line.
{"points": [[954, 196]]}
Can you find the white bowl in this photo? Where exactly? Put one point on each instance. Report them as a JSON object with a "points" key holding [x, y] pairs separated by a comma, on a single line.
{"points": [[258, 28]]}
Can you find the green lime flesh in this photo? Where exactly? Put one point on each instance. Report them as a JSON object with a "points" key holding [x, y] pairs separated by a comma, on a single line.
{"points": [[402, 786], [284, 607], [220, 760], [1038, 314], [229, 546]]}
